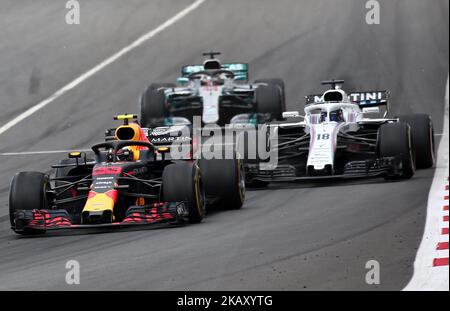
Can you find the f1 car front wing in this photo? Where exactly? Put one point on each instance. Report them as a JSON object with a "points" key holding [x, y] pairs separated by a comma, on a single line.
{"points": [[40, 221], [352, 170]]}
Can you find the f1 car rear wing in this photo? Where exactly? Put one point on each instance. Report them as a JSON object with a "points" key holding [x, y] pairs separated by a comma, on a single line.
{"points": [[240, 70], [363, 99]]}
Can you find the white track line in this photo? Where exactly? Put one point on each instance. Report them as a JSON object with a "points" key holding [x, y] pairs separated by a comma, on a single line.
{"points": [[102, 65], [41, 152], [426, 277]]}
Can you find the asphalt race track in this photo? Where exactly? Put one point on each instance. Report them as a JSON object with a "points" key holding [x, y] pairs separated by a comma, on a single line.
{"points": [[290, 236]]}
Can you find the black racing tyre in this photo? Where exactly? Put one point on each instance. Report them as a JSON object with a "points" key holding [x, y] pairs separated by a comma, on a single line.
{"points": [[280, 83], [182, 181], [395, 139], [153, 106], [423, 138], [224, 180], [27, 192], [268, 99]]}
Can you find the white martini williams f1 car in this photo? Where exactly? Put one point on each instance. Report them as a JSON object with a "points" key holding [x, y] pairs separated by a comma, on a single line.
{"points": [[339, 137]]}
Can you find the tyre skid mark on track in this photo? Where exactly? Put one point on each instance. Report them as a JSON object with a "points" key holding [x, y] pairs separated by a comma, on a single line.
{"points": [[308, 251]]}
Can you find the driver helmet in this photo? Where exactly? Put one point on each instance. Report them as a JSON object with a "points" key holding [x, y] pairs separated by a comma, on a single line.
{"points": [[323, 116], [336, 116], [125, 154]]}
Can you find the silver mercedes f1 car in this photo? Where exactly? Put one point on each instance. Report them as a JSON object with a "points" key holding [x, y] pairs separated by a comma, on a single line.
{"points": [[216, 92]]}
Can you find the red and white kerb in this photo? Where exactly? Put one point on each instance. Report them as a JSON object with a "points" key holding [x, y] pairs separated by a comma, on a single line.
{"points": [[442, 246]]}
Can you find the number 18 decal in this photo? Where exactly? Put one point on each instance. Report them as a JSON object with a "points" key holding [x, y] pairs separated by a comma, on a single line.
{"points": [[323, 136]]}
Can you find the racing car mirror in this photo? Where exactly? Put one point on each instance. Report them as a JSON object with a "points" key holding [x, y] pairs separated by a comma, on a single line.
{"points": [[163, 150], [369, 110], [182, 80], [77, 155], [74, 155], [240, 77], [291, 114]]}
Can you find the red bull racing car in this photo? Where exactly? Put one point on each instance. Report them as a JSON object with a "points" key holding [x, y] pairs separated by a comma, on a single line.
{"points": [[130, 181]]}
